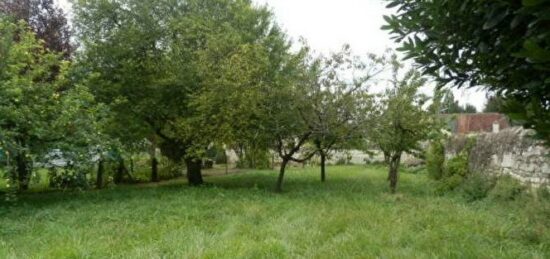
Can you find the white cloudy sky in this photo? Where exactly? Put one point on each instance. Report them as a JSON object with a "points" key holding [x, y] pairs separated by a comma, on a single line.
{"points": [[328, 24]]}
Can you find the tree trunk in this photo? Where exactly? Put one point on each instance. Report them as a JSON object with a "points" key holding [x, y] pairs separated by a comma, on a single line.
{"points": [[99, 177], [121, 169], [226, 161], [394, 171], [131, 165], [279, 186], [23, 172], [194, 174], [154, 169], [323, 160]]}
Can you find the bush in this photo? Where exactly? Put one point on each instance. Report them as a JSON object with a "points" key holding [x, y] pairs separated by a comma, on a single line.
{"points": [[216, 154], [506, 189], [169, 170], [68, 179], [457, 165], [449, 183], [477, 186], [435, 160], [255, 158]]}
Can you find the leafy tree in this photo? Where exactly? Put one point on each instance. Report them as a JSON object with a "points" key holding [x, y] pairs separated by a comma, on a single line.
{"points": [[401, 122], [156, 59], [449, 105], [340, 103], [494, 104], [503, 45], [46, 19], [27, 98], [41, 110], [468, 108]]}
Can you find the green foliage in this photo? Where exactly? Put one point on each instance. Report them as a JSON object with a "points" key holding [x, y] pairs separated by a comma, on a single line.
{"points": [[477, 186], [42, 110], [400, 122], [449, 183], [494, 104], [179, 73], [435, 160], [457, 165], [216, 154], [68, 178], [504, 45], [255, 158], [449, 105], [507, 189]]}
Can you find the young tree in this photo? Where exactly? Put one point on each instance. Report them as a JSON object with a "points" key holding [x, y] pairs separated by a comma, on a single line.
{"points": [[340, 103], [401, 122], [503, 45]]}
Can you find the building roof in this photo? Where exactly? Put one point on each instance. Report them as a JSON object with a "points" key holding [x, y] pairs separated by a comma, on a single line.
{"points": [[465, 123]]}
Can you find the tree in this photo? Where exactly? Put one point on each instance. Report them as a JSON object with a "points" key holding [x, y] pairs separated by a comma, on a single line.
{"points": [[468, 108], [41, 109], [340, 103], [449, 105], [155, 60], [401, 123], [27, 98], [503, 45], [46, 20], [494, 104]]}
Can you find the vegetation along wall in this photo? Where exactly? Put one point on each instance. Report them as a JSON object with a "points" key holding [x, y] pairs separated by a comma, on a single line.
{"points": [[509, 152]]}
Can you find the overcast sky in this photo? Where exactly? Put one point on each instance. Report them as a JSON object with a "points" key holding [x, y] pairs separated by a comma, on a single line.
{"points": [[328, 24]]}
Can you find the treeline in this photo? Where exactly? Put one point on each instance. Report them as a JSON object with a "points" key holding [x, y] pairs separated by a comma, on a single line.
{"points": [[183, 76]]}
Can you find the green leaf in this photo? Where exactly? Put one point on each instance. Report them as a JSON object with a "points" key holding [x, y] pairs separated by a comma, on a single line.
{"points": [[494, 19]]}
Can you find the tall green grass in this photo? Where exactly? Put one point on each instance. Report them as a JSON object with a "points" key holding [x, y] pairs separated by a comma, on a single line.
{"points": [[352, 215]]}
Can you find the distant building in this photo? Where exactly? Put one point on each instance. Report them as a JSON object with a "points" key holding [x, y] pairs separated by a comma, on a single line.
{"points": [[466, 123]]}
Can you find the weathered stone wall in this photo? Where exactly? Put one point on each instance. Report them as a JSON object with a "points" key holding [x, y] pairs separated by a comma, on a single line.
{"points": [[509, 152]]}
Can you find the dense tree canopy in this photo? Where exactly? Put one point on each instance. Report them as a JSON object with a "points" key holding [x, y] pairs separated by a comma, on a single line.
{"points": [[46, 19], [40, 109], [155, 60], [503, 45]]}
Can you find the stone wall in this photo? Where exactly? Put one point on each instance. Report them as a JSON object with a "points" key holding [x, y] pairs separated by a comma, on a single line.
{"points": [[509, 152]]}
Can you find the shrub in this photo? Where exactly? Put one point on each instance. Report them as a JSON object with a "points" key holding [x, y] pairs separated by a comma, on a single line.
{"points": [[457, 165], [506, 189], [435, 160], [477, 186], [255, 158], [68, 178], [449, 183], [216, 154]]}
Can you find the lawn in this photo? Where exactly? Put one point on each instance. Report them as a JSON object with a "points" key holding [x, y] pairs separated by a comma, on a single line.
{"points": [[352, 215]]}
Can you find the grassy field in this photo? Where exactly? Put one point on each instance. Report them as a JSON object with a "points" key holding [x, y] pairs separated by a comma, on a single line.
{"points": [[352, 215]]}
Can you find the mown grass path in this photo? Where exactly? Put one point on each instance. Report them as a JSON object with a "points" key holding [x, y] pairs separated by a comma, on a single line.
{"points": [[352, 215]]}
